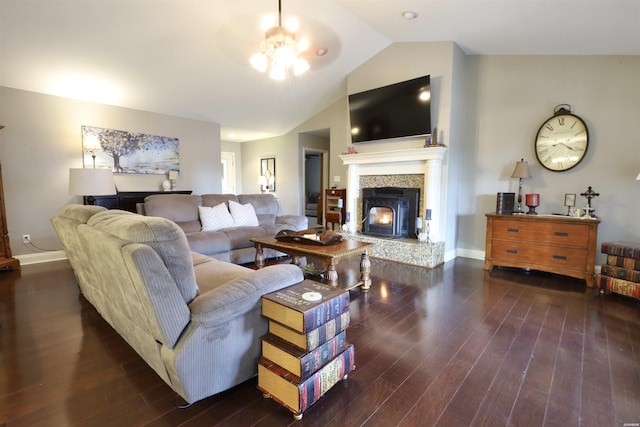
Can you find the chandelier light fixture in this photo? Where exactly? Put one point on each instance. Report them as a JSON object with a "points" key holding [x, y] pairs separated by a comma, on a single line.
{"points": [[280, 52]]}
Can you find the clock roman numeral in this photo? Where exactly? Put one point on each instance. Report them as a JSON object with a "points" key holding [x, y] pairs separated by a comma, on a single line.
{"points": [[548, 126], [561, 121], [543, 151]]}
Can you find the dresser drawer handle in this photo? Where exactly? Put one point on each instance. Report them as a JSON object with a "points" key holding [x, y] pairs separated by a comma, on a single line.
{"points": [[512, 251], [560, 257], [513, 230], [561, 233]]}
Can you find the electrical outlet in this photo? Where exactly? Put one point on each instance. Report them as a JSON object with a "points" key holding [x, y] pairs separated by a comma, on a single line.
{"points": [[26, 238]]}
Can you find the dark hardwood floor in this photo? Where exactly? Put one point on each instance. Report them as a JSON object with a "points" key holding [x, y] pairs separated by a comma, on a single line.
{"points": [[453, 346]]}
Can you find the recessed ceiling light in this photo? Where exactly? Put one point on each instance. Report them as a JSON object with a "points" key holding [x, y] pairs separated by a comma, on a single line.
{"points": [[409, 15]]}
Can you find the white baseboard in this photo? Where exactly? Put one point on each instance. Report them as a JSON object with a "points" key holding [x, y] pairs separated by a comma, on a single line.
{"points": [[470, 253], [41, 257]]}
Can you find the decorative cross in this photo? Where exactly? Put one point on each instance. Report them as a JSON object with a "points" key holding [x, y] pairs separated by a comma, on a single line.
{"points": [[589, 194]]}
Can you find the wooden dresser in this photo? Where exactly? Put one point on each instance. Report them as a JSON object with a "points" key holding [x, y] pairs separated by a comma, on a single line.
{"points": [[556, 244]]}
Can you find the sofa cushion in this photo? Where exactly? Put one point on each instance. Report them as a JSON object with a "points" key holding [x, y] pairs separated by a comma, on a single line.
{"points": [[240, 237], [80, 213], [211, 273], [265, 205], [216, 199], [164, 236], [209, 242], [243, 215], [179, 208], [215, 218]]}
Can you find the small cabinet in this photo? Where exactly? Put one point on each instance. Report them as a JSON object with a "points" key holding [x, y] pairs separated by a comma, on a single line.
{"points": [[334, 207]]}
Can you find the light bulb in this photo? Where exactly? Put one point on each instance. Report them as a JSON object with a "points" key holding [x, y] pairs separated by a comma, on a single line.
{"points": [[300, 66], [259, 62], [285, 56], [277, 72]]}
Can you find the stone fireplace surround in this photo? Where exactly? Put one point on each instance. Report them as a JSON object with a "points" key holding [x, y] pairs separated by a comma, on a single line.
{"points": [[389, 168]]}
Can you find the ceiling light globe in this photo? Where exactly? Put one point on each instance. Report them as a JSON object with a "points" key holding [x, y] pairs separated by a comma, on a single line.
{"points": [[277, 73], [300, 66], [285, 56], [303, 44], [292, 24], [260, 62]]}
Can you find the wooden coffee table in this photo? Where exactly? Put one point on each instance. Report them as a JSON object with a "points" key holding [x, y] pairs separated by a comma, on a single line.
{"points": [[330, 254]]}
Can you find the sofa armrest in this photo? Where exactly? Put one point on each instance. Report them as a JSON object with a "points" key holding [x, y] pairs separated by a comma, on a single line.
{"points": [[294, 222], [240, 296]]}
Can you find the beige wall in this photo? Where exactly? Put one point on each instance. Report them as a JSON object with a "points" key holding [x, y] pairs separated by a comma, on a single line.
{"points": [[41, 141], [287, 150]]}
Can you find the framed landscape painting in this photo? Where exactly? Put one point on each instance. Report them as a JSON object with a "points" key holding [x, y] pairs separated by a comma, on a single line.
{"points": [[129, 152]]}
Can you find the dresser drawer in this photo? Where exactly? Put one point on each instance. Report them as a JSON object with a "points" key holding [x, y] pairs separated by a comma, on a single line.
{"points": [[520, 252], [537, 231]]}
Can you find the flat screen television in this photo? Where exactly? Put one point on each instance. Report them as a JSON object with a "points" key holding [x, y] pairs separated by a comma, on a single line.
{"points": [[395, 111]]}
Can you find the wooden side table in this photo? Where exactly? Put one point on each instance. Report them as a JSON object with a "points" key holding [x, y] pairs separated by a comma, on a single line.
{"points": [[334, 207]]}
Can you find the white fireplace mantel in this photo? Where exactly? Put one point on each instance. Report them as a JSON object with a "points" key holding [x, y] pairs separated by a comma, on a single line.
{"points": [[413, 154], [425, 161]]}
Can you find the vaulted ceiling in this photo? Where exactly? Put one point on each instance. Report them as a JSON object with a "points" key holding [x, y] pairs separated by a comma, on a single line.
{"points": [[189, 58]]}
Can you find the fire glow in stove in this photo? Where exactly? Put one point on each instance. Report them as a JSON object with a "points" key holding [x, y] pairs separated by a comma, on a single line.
{"points": [[390, 211]]}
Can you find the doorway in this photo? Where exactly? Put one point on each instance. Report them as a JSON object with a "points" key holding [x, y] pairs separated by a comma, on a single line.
{"points": [[314, 183], [228, 160]]}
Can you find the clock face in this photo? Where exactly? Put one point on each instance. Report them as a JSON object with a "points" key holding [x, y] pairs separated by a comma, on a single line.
{"points": [[562, 142]]}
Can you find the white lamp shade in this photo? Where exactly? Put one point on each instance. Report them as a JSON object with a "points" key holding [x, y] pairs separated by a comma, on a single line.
{"points": [[91, 182], [638, 177], [521, 170]]}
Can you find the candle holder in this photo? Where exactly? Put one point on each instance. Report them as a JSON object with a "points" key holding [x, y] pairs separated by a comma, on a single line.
{"points": [[532, 201]]}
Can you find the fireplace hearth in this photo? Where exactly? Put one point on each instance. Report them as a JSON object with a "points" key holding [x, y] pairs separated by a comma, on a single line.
{"points": [[390, 212]]}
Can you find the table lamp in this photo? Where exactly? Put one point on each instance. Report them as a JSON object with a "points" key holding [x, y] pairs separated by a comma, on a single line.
{"points": [[521, 172]]}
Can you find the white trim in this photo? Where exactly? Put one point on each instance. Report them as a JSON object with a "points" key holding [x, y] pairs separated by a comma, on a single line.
{"points": [[395, 156], [42, 257], [421, 161], [470, 253]]}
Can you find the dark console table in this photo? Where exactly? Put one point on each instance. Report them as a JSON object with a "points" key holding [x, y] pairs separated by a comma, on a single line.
{"points": [[125, 200]]}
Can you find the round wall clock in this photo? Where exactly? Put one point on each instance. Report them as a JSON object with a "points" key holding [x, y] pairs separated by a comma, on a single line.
{"points": [[562, 140]]}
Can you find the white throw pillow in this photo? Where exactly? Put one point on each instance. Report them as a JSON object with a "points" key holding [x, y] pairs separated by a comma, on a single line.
{"points": [[243, 215], [215, 218]]}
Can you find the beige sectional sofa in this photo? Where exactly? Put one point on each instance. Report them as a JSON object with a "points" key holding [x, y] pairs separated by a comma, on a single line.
{"points": [[224, 240], [195, 320]]}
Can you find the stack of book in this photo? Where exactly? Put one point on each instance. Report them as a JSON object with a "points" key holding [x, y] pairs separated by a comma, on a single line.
{"points": [[621, 273], [505, 203], [306, 351]]}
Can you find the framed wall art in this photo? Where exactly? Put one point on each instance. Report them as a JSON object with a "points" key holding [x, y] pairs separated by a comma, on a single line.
{"points": [[268, 174], [129, 152]]}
